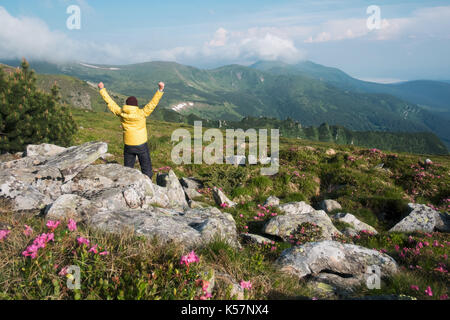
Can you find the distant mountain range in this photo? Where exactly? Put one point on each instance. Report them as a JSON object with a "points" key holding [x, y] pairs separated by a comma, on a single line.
{"points": [[306, 92], [434, 95]]}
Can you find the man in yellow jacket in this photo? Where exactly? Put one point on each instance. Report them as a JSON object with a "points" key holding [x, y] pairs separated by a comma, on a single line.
{"points": [[134, 127]]}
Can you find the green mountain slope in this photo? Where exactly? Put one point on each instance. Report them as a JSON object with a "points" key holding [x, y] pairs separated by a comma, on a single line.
{"points": [[233, 92], [433, 94]]}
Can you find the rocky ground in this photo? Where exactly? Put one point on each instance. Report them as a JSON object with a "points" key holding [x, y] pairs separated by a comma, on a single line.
{"points": [[328, 252]]}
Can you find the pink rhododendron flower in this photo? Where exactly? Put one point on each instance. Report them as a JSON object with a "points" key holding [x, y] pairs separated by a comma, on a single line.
{"points": [[104, 253], [38, 243], [414, 287], [246, 285], [72, 225], [52, 225], [28, 231], [190, 258], [429, 292], [4, 234], [83, 241], [93, 249]]}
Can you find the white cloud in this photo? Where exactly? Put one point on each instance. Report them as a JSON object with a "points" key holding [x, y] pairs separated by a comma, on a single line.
{"points": [[425, 22], [31, 38], [248, 46]]}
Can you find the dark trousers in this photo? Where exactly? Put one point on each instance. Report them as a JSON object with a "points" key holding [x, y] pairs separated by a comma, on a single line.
{"points": [[143, 154]]}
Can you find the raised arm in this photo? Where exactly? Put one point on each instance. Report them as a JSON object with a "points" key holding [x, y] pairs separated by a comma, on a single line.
{"points": [[112, 105], [150, 107]]}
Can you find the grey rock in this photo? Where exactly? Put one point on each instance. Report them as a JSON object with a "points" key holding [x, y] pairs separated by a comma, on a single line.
{"points": [[19, 194], [354, 222], [297, 213], [340, 265], [174, 190], [191, 183], [74, 160], [69, 206], [44, 150], [296, 208], [330, 205], [423, 218], [191, 193], [254, 238], [189, 228], [136, 188], [272, 201], [220, 198]]}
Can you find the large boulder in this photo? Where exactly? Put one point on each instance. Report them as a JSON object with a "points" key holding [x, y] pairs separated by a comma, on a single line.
{"points": [[31, 183], [189, 228], [117, 187], [356, 224], [296, 214], [423, 218], [339, 265]]}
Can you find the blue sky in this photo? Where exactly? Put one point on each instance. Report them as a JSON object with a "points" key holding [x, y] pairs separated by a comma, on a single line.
{"points": [[413, 41]]}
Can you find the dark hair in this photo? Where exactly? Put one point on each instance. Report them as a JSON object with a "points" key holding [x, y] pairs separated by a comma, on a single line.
{"points": [[132, 101]]}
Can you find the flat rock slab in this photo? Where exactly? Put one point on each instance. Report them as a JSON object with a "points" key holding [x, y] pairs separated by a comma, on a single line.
{"points": [[189, 228], [74, 160], [44, 150]]}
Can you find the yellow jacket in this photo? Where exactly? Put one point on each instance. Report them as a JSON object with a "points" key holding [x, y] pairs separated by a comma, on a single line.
{"points": [[133, 118]]}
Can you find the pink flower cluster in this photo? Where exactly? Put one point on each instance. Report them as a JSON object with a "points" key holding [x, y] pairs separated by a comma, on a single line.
{"points": [[246, 285], [224, 205], [72, 225], [52, 225], [189, 258], [4, 234], [38, 243]]}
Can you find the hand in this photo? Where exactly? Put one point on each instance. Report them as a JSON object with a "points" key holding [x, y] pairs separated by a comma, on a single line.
{"points": [[161, 86], [101, 85]]}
